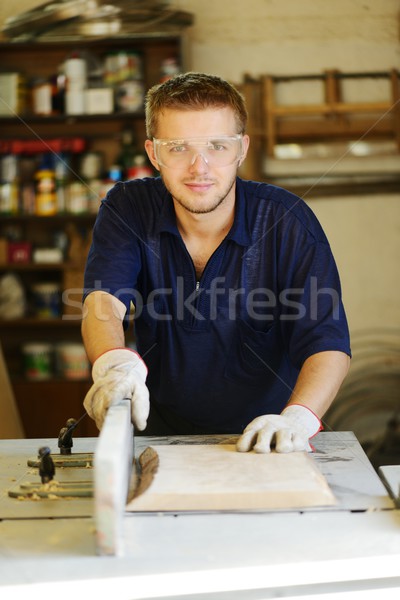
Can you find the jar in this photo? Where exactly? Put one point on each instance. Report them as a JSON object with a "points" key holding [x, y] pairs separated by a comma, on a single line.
{"points": [[130, 96], [72, 361], [47, 300], [76, 72], [42, 97], [37, 360], [77, 198], [91, 165], [75, 101], [9, 198], [121, 65], [46, 199]]}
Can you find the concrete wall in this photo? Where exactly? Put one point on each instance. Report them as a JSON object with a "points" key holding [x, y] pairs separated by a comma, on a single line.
{"points": [[234, 37], [364, 233]]}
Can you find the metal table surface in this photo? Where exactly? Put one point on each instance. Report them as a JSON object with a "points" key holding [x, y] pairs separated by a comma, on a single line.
{"points": [[349, 551]]}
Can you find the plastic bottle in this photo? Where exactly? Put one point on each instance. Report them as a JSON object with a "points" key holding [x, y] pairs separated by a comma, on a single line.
{"points": [[61, 179], [77, 197], [140, 168], [113, 176], [9, 186], [127, 153], [95, 190]]}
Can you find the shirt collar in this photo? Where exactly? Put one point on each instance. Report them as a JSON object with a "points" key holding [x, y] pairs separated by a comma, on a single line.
{"points": [[239, 231], [167, 219]]}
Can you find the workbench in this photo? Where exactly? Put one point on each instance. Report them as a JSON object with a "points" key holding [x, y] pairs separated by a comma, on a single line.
{"points": [[352, 550]]}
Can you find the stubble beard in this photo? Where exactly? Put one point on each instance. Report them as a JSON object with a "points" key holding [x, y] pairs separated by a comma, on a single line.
{"points": [[198, 210]]}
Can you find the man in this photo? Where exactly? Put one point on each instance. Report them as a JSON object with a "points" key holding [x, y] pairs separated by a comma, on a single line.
{"points": [[238, 316]]}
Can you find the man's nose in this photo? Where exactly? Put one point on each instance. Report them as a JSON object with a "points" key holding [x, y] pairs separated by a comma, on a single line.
{"points": [[199, 162]]}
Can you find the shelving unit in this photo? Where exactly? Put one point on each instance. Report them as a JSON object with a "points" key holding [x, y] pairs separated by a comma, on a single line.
{"points": [[324, 133], [332, 117], [45, 405], [44, 60]]}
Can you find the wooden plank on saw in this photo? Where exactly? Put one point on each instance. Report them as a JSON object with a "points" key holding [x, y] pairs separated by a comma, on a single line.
{"points": [[216, 477]]}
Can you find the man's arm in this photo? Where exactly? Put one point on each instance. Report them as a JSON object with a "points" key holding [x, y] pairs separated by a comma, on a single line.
{"points": [[318, 382], [102, 328], [117, 372]]}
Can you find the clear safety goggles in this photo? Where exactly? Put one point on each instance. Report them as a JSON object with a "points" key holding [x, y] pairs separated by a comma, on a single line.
{"points": [[220, 151]]}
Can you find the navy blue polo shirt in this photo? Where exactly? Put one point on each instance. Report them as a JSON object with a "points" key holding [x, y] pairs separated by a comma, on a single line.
{"points": [[225, 349]]}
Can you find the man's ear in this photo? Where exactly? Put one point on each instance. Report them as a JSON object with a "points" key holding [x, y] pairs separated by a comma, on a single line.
{"points": [[149, 147]]}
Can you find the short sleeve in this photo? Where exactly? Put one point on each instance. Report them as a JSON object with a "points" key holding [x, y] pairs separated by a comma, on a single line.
{"points": [[114, 260], [312, 313]]}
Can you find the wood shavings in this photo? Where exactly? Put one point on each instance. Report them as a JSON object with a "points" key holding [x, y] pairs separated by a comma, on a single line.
{"points": [[149, 463]]}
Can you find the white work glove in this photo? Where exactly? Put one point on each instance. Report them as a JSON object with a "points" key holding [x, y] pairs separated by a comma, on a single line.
{"points": [[118, 374], [291, 431]]}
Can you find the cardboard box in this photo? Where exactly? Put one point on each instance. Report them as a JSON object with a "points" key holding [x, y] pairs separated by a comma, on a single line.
{"points": [[99, 101]]}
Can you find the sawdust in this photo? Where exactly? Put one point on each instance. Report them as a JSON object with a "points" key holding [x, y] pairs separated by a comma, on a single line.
{"points": [[50, 485], [149, 462]]}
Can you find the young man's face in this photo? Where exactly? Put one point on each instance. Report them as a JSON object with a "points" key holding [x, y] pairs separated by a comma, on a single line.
{"points": [[198, 183]]}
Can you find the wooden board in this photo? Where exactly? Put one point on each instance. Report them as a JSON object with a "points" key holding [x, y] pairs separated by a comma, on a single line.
{"points": [[112, 472], [217, 477]]}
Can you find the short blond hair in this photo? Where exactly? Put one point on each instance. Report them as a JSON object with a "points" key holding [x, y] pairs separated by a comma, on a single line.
{"points": [[193, 91]]}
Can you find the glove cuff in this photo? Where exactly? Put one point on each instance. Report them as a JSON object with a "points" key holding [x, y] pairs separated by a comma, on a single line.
{"points": [[305, 417], [115, 358]]}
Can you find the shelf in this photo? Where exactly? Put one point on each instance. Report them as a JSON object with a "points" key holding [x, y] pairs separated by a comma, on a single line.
{"points": [[145, 38], [66, 322], [331, 117], [20, 380], [67, 119], [60, 217], [40, 266]]}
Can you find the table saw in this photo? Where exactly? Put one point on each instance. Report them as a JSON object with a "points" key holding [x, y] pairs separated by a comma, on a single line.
{"points": [[51, 546]]}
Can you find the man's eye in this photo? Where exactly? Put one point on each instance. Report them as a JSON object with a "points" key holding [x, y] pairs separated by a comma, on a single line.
{"points": [[218, 146], [178, 149]]}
